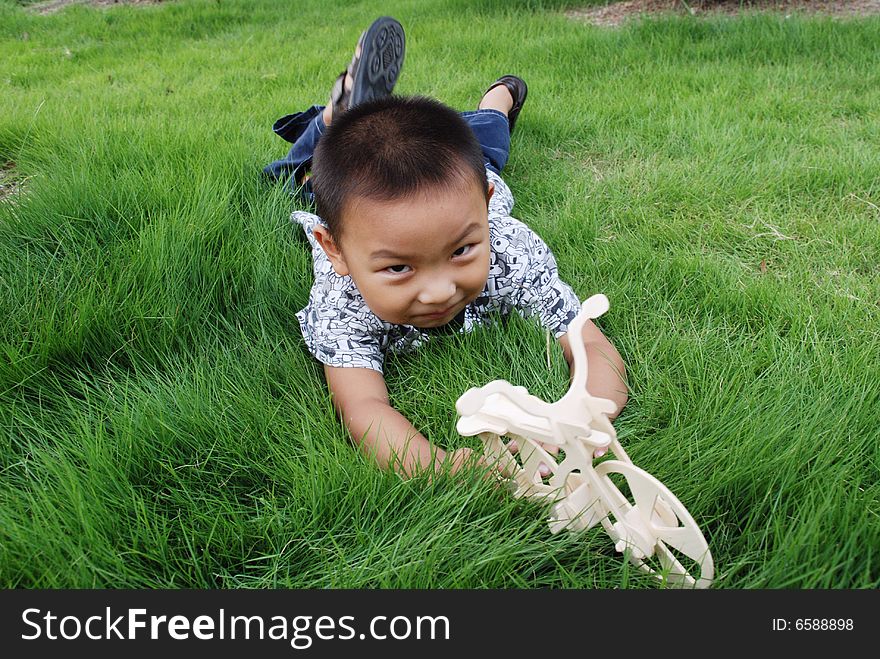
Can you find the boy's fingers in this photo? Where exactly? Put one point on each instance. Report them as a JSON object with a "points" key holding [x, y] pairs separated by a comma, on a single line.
{"points": [[544, 470], [513, 447]]}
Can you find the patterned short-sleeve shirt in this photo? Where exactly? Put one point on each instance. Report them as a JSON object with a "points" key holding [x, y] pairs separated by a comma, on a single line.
{"points": [[340, 330]]}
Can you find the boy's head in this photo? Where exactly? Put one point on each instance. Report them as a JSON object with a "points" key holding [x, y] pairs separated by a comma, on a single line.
{"points": [[401, 184]]}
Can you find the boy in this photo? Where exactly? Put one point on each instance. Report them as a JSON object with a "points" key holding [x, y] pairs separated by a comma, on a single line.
{"points": [[412, 238]]}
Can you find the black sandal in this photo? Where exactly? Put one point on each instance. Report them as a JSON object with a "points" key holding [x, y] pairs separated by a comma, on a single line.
{"points": [[375, 70], [518, 90]]}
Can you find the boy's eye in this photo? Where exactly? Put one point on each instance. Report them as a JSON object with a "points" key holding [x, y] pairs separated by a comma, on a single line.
{"points": [[397, 269], [461, 251]]}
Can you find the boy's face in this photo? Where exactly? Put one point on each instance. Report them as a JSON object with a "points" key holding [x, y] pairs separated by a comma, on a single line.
{"points": [[419, 260]]}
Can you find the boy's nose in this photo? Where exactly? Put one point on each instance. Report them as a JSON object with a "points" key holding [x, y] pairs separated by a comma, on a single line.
{"points": [[437, 291]]}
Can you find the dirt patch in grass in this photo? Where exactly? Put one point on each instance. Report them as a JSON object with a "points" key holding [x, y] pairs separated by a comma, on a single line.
{"points": [[11, 182], [616, 13], [51, 6]]}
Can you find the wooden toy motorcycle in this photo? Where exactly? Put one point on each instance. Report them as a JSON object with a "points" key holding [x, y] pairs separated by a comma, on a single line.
{"points": [[640, 514]]}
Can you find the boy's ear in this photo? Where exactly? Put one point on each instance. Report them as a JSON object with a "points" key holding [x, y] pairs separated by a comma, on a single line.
{"points": [[331, 249], [490, 192]]}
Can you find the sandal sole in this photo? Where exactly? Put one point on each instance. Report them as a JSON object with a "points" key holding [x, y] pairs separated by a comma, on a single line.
{"points": [[380, 61]]}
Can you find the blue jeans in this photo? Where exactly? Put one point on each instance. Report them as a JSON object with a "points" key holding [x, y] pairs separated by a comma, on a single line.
{"points": [[304, 129]]}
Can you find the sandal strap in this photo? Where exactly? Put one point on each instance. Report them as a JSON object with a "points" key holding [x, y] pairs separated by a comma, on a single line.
{"points": [[339, 95], [518, 91]]}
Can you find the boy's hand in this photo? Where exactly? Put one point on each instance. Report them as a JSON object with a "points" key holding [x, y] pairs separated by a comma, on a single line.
{"points": [[383, 433], [468, 458], [606, 372]]}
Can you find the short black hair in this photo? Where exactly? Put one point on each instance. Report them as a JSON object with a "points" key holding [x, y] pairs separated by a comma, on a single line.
{"points": [[390, 148]]}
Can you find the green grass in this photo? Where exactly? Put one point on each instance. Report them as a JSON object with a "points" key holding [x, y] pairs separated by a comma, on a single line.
{"points": [[163, 426]]}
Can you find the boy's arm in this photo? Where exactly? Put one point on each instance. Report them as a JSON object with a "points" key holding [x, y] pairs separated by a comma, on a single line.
{"points": [[382, 433], [606, 373]]}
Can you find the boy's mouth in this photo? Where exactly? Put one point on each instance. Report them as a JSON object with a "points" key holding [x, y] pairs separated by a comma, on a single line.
{"points": [[441, 314]]}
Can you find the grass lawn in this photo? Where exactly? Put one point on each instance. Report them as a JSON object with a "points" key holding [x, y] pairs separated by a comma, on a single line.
{"points": [[161, 424]]}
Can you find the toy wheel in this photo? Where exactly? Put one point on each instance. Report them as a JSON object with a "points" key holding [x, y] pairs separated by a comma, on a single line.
{"points": [[649, 521]]}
